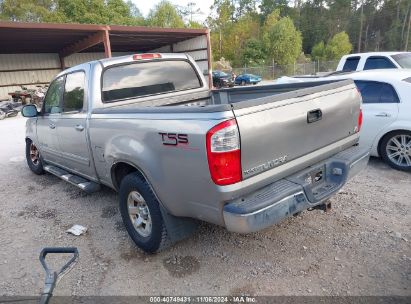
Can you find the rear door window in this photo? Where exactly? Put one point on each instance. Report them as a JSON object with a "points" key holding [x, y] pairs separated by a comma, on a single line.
{"points": [[376, 92], [378, 63], [351, 63], [148, 78], [388, 94]]}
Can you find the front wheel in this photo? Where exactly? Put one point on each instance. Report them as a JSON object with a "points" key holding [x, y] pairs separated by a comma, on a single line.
{"points": [[243, 83], [396, 150], [33, 158], [141, 214], [2, 115]]}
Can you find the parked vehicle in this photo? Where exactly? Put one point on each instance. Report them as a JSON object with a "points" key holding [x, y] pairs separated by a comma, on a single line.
{"points": [[173, 150], [386, 108], [375, 60], [221, 79], [244, 79], [8, 109]]}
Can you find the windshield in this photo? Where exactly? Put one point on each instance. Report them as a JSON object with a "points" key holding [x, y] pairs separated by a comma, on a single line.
{"points": [[404, 60]]}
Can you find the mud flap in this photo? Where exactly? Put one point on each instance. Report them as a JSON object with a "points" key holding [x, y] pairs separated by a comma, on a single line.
{"points": [[178, 228]]}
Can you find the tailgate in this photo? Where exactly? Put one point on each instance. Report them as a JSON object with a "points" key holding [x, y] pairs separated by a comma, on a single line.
{"points": [[278, 129]]}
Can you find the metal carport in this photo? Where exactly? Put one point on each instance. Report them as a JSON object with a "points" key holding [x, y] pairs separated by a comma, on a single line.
{"points": [[32, 53]]}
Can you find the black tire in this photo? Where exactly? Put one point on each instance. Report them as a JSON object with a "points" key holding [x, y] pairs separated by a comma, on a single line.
{"points": [[13, 114], [2, 115], [35, 166], [406, 151], [243, 83], [158, 238]]}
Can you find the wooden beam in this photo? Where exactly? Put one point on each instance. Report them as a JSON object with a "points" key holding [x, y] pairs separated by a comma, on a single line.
{"points": [[83, 44], [107, 44], [62, 63]]}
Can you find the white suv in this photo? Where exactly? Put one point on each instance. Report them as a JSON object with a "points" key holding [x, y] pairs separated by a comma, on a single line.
{"points": [[375, 60]]}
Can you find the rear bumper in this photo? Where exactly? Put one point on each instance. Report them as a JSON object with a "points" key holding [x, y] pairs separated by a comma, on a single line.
{"points": [[295, 193]]}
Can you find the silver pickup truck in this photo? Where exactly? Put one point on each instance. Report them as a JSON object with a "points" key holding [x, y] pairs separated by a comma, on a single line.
{"points": [[147, 126]]}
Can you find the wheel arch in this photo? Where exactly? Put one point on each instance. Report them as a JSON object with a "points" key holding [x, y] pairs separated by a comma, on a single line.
{"points": [[122, 168]]}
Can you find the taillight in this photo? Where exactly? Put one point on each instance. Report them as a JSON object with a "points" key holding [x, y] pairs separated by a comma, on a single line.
{"points": [[146, 56], [359, 124], [224, 154]]}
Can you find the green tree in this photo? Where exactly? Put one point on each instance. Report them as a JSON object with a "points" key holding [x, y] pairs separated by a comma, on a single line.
{"points": [[318, 51], [338, 46], [25, 10], [282, 40], [75, 11], [253, 53], [195, 25], [165, 15]]}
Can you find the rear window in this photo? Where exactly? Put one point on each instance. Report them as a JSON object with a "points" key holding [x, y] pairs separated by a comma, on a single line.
{"points": [[148, 78], [373, 63], [377, 92], [404, 60], [351, 63]]}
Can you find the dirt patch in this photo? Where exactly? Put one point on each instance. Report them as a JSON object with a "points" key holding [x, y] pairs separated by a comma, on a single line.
{"points": [[109, 211], [119, 226], [245, 290], [47, 180], [132, 254], [35, 211], [76, 193], [30, 190], [181, 266]]}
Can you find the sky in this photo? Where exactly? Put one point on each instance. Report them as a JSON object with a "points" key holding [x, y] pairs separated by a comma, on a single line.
{"points": [[204, 5]]}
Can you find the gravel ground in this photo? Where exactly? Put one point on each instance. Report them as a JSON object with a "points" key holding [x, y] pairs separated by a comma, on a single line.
{"points": [[361, 247]]}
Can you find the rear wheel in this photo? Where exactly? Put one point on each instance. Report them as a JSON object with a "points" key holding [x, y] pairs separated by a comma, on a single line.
{"points": [[141, 214], [2, 115], [33, 158], [396, 150]]}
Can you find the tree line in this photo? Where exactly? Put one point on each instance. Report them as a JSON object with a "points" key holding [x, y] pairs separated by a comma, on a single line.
{"points": [[257, 32], [250, 32]]}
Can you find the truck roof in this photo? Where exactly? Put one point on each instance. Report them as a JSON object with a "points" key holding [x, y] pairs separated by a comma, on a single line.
{"points": [[374, 54], [378, 74], [128, 58], [105, 62]]}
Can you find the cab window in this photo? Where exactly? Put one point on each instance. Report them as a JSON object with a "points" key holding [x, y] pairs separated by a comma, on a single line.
{"points": [[351, 63], [378, 63], [148, 78]]}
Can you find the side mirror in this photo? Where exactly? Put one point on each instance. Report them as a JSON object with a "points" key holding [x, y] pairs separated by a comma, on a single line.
{"points": [[29, 111]]}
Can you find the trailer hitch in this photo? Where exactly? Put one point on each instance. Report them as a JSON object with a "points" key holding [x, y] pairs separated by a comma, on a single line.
{"points": [[53, 277], [326, 207]]}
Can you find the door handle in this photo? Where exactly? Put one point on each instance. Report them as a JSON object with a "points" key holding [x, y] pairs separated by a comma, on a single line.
{"points": [[383, 114], [79, 128], [314, 115], [52, 126]]}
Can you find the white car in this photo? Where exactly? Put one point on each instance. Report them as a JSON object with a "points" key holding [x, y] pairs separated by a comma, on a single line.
{"points": [[386, 111], [375, 60]]}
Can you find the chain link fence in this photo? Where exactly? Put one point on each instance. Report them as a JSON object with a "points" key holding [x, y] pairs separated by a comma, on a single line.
{"points": [[276, 71]]}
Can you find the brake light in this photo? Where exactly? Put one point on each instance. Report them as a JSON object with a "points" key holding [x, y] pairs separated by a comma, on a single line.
{"points": [[146, 56], [224, 153], [359, 124]]}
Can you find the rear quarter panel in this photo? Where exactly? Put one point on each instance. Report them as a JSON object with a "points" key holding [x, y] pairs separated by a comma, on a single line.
{"points": [[178, 174]]}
